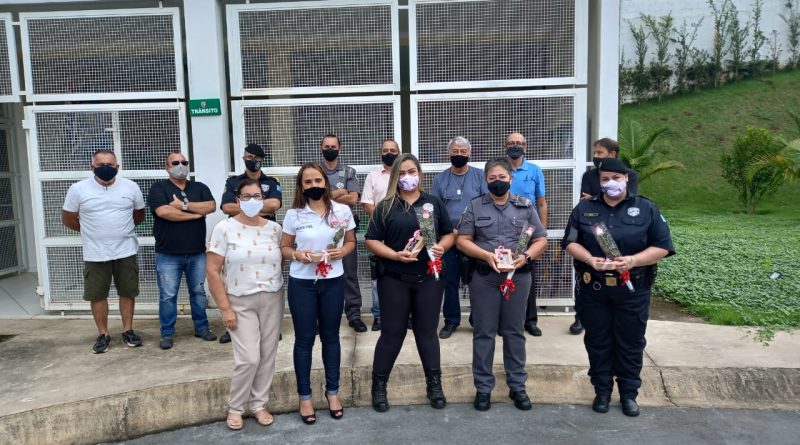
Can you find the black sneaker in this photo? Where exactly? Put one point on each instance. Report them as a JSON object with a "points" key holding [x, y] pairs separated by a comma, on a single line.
{"points": [[101, 344], [225, 338], [447, 330], [576, 328], [207, 336], [131, 339], [376, 325], [165, 343], [358, 325], [533, 329]]}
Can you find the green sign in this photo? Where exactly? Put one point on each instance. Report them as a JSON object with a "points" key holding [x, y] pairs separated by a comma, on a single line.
{"points": [[204, 107]]}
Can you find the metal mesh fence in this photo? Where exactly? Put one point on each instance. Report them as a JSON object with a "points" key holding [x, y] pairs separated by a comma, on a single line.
{"points": [[479, 41], [558, 192], [291, 134], [9, 258], [5, 164], [553, 273], [546, 122], [6, 88], [6, 200], [102, 54], [67, 140], [316, 47]]}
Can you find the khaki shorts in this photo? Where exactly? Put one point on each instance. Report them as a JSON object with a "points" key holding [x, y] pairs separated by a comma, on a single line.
{"points": [[97, 278]]}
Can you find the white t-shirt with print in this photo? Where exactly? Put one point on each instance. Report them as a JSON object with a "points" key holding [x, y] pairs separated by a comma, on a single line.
{"points": [[106, 217], [312, 232], [252, 256]]}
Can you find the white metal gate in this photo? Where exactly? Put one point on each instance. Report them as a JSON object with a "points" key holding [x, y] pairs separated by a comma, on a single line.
{"points": [[11, 256]]}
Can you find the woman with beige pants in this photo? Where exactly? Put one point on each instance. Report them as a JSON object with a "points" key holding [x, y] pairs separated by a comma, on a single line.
{"points": [[244, 276]]}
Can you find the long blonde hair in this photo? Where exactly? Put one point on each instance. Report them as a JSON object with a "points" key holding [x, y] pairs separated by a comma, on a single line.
{"points": [[392, 194]]}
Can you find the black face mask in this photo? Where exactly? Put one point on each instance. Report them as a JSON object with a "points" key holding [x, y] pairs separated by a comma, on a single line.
{"points": [[498, 187], [388, 159], [597, 161], [314, 193], [515, 152], [252, 165], [105, 172], [459, 161], [330, 154]]}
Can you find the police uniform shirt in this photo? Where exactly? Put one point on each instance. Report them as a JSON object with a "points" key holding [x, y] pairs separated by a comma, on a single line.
{"points": [[456, 191], [635, 224], [492, 225], [528, 181], [342, 177], [270, 188], [590, 182], [396, 225]]}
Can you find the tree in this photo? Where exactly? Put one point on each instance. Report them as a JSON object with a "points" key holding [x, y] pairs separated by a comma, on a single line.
{"points": [[644, 152], [787, 160], [740, 167]]}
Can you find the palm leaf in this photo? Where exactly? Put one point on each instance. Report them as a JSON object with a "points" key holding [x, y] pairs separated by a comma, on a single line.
{"points": [[659, 167]]}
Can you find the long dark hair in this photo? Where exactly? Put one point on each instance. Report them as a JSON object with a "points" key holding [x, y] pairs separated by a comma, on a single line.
{"points": [[300, 200]]}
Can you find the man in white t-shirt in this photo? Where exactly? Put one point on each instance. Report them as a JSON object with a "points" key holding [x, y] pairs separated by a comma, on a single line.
{"points": [[104, 209], [375, 186]]}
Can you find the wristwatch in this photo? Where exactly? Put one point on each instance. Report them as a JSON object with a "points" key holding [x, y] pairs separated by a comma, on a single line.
{"points": [[185, 207]]}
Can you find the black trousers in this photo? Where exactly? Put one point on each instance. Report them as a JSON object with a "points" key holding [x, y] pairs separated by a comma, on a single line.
{"points": [[352, 291], [531, 311], [615, 320], [398, 300]]}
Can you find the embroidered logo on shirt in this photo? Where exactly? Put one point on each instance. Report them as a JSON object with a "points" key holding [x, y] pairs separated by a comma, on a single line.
{"points": [[633, 211], [265, 188], [339, 185]]}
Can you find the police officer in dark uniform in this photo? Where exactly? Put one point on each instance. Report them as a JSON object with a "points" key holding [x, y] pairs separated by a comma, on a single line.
{"points": [[253, 160], [497, 219], [612, 308], [590, 181]]}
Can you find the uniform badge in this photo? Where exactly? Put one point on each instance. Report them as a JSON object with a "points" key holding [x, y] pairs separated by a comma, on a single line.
{"points": [[587, 277], [265, 188], [633, 211], [339, 185]]}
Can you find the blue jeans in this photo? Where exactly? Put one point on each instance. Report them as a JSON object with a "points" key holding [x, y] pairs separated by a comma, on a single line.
{"points": [[316, 305], [376, 305], [169, 269], [451, 308]]}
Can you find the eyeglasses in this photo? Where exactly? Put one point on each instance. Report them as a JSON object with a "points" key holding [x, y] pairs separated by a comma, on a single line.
{"points": [[248, 197], [180, 162]]}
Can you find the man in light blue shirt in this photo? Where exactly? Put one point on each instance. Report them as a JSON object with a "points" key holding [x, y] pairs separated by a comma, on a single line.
{"points": [[456, 186], [528, 181]]}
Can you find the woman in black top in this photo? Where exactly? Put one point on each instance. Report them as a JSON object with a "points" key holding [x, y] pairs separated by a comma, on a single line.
{"points": [[405, 285]]}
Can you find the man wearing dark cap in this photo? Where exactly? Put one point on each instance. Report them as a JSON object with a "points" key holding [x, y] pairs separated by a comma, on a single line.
{"points": [[270, 187]]}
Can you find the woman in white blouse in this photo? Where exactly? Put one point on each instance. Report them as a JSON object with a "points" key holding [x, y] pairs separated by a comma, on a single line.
{"points": [[317, 234], [243, 267]]}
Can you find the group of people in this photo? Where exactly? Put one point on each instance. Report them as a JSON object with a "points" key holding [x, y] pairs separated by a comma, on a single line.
{"points": [[483, 228]]}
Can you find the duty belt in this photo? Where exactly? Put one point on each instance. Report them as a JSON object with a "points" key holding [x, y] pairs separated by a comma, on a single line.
{"points": [[611, 278]]}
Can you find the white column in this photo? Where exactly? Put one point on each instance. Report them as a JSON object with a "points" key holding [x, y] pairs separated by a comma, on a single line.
{"points": [[203, 20], [604, 28]]}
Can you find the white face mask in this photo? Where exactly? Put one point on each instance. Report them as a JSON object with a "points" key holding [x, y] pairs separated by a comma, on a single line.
{"points": [[252, 207], [614, 188], [179, 171]]}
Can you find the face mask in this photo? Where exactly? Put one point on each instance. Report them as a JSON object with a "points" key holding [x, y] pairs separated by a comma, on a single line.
{"points": [[614, 188], [459, 161], [314, 193], [499, 187], [330, 154], [408, 183], [252, 165], [388, 159], [105, 172], [179, 171], [515, 152], [252, 207], [597, 161]]}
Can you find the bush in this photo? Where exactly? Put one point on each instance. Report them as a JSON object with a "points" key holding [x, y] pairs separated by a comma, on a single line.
{"points": [[752, 184]]}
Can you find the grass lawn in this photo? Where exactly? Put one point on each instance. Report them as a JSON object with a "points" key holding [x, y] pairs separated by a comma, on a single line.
{"points": [[725, 257]]}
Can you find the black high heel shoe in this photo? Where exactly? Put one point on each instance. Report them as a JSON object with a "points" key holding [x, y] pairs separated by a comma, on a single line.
{"points": [[309, 419], [336, 414]]}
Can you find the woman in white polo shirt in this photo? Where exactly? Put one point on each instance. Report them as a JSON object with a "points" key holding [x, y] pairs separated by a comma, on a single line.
{"points": [[243, 267], [317, 234]]}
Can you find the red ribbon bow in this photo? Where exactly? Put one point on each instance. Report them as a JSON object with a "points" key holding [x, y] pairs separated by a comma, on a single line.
{"points": [[625, 276], [434, 266], [323, 268], [507, 287]]}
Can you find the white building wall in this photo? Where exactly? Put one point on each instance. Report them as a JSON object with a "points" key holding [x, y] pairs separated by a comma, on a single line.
{"points": [[693, 11]]}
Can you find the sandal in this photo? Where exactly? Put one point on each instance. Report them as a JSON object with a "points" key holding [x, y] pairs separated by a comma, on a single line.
{"points": [[309, 419], [234, 421], [263, 417], [335, 413]]}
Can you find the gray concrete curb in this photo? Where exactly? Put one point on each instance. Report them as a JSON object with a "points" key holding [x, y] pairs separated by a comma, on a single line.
{"points": [[127, 415]]}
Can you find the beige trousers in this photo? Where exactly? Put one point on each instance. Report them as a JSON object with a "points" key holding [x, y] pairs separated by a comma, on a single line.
{"points": [[255, 344]]}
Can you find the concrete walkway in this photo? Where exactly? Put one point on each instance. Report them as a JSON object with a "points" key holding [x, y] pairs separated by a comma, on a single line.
{"points": [[54, 390]]}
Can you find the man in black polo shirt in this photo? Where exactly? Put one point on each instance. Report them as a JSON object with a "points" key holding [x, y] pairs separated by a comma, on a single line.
{"points": [[590, 182], [270, 187], [179, 211]]}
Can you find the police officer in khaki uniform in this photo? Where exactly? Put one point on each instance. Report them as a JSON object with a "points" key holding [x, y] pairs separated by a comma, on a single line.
{"points": [[497, 219], [614, 313]]}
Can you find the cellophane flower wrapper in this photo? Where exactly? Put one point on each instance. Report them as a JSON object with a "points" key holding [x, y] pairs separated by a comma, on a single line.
{"points": [[611, 250], [427, 228], [524, 239]]}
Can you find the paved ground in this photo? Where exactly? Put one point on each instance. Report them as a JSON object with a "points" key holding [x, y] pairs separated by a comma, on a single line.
{"points": [[503, 424]]}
